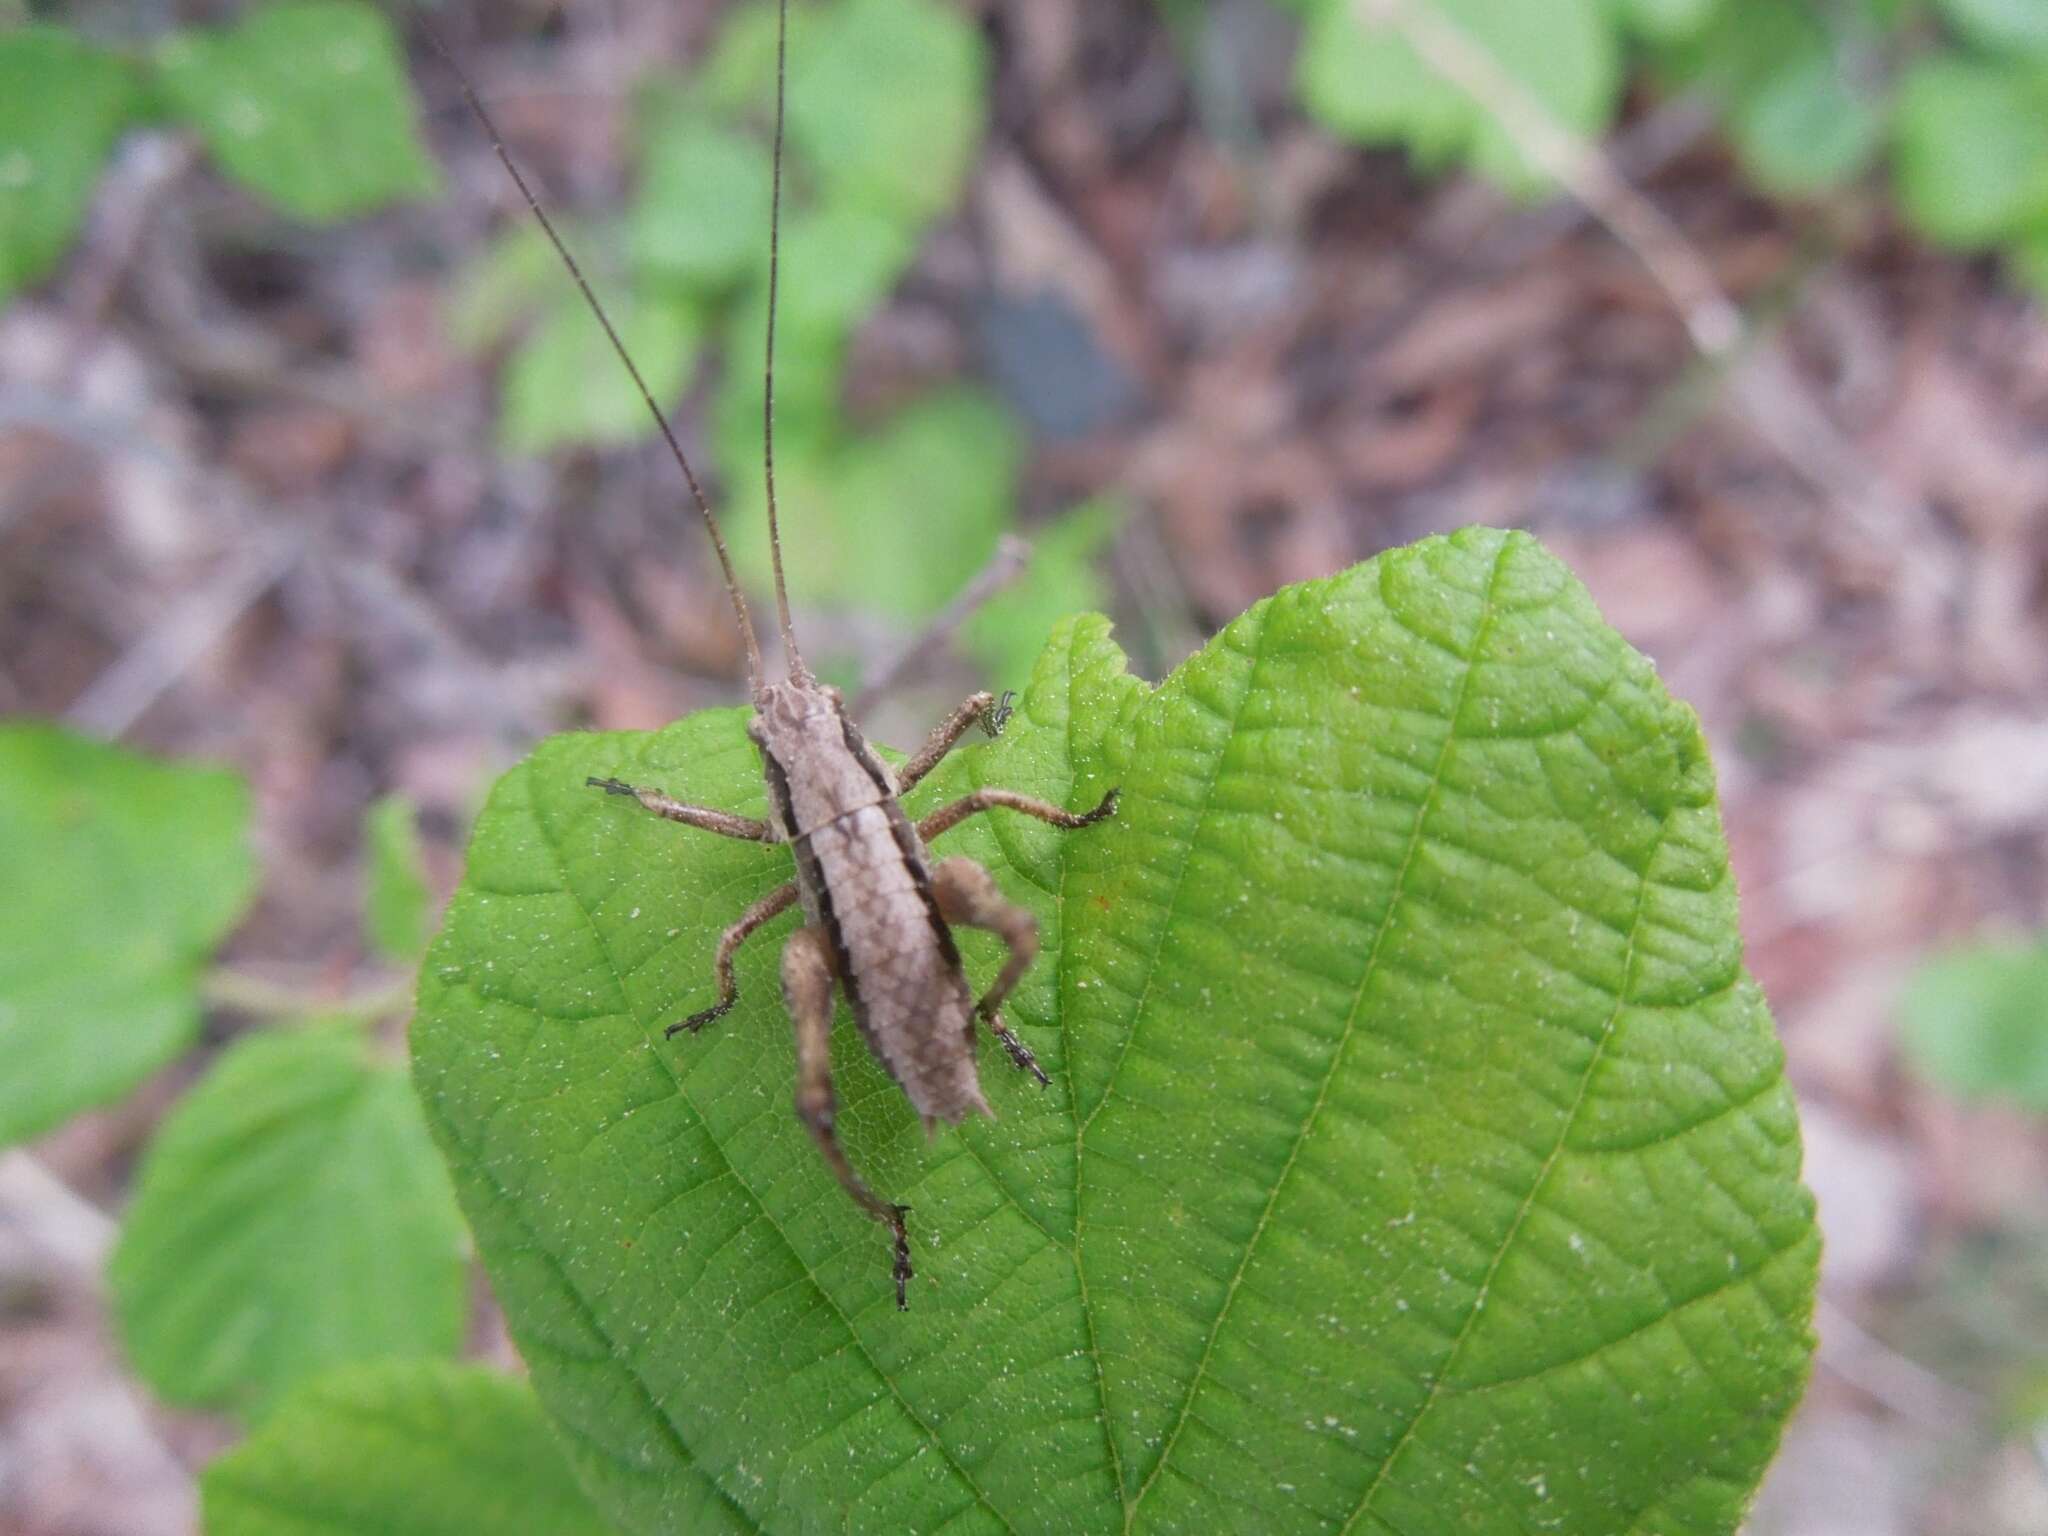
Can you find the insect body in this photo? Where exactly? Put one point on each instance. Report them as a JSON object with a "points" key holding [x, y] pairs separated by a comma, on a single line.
{"points": [[878, 912], [878, 915]]}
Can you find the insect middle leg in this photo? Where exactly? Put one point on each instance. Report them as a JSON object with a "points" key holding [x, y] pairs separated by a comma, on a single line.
{"points": [[975, 707], [724, 823], [769, 907], [807, 977]]}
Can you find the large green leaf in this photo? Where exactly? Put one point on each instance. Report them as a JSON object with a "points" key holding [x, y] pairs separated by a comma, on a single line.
{"points": [[307, 103], [121, 876], [291, 1216], [404, 1448], [62, 105], [1417, 1155]]}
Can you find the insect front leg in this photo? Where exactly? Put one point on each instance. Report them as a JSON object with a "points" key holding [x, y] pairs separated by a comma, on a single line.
{"points": [[947, 817], [967, 894], [769, 907], [807, 992], [940, 742], [724, 823]]}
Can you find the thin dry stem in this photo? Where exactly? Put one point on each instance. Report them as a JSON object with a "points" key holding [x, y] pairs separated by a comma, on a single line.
{"points": [[1004, 567], [1772, 403], [1710, 316]]}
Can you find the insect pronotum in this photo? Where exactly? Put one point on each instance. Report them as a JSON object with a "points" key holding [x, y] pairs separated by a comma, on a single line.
{"points": [[878, 912]]}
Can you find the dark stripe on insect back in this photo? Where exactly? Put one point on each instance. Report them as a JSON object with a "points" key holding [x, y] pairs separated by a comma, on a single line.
{"points": [[913, 853], [810, 875], [906, 839], [864, 754], [778, 790]]}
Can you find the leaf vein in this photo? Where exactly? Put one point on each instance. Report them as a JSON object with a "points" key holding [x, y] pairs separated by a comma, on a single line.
{"points": [[1350, 1027]]}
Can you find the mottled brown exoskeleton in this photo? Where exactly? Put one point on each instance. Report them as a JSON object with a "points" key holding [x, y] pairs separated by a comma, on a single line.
{"points": [[878, 912]]}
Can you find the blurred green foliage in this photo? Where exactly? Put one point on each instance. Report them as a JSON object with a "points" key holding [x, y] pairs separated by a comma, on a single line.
{"points": [[400, 1448], [1975, 1021], [1953, 92], [306, 104], [1370, 85], [62, 105], [153, 860], [887, 102], [397, 906], [1064, 575], [290, 1213], [291, 1216]]}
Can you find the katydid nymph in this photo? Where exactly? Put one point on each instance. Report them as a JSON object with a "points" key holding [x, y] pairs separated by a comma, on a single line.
{"points": [[878, 911]]}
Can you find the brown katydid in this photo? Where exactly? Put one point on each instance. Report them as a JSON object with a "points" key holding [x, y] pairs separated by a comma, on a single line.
{"points": [[878, 912]]}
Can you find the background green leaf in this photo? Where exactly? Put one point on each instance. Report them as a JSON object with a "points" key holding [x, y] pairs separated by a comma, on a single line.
{"points": [[564, 385], [1973, 149], [150, 859], [1807, 128], [291, 1215], [886, 104], [1976, 1022], [1665, 20], [895, 519], [413, 1448], [703, 205], [62, 105], [397, 903], [1370, 85], [307, 103], [2017, 26], [1417, 1155], [1062, 578]]}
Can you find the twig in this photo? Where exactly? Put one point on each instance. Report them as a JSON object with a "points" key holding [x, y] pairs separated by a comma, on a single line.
{"points": [[1870, 1365], [56, 1218], [1578, 166], [1773, 402], [120, 695], [1004, 567], [144, 175], [263, 998]]}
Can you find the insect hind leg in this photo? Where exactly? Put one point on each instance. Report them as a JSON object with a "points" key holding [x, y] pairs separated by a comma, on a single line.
{"points": [[967, 894], [807, 977]]}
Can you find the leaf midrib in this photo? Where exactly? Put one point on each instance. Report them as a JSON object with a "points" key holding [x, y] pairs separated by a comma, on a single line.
{"points": [[1488, 609]]}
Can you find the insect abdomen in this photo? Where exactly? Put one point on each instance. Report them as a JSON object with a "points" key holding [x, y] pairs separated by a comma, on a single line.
{"points": [[897, 962]]}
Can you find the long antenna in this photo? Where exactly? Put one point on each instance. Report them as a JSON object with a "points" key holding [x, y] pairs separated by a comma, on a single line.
{"points": [[732, 585], [797, 669]]}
